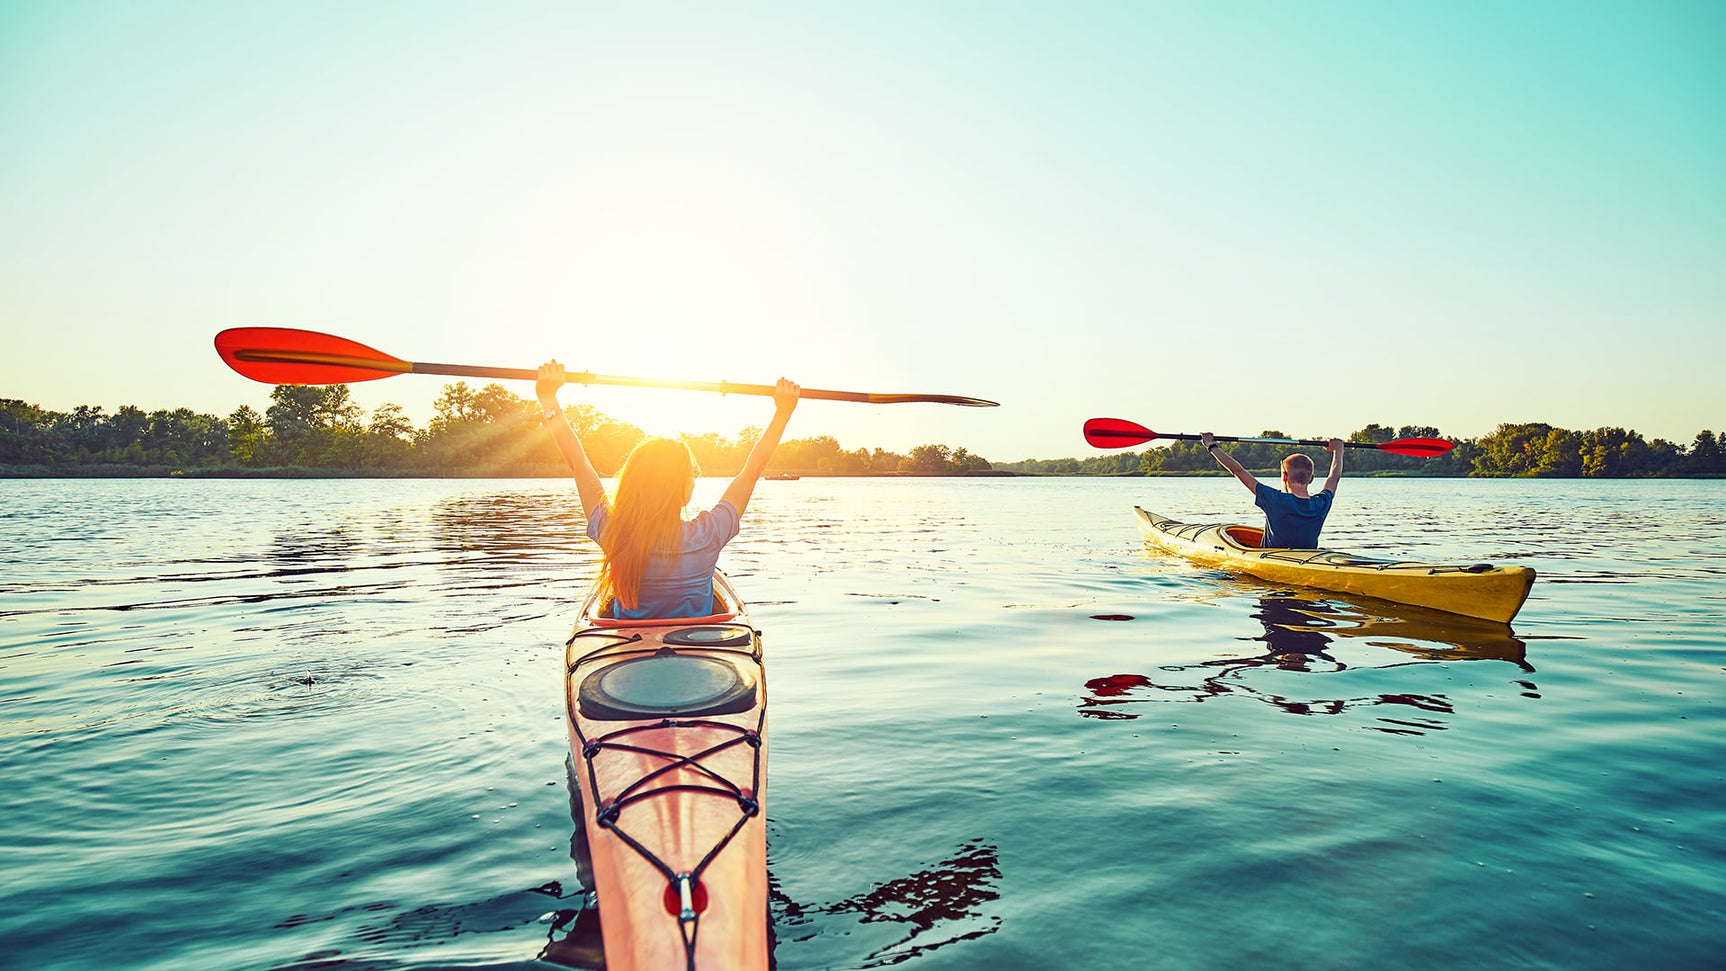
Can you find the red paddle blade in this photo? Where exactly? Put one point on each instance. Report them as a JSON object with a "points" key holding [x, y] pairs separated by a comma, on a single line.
{"points": [[284, 355], [1419, 447], [1116, 433]]}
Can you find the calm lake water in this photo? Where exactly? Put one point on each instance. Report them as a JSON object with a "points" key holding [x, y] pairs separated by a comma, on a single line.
{"points": [[295, 724]]}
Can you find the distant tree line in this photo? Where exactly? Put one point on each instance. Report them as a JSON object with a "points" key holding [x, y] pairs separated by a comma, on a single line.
{"points": [[320, 430], [491, 432], [1533, 449]]}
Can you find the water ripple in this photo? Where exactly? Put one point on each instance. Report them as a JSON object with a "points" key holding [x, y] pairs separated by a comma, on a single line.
{"points": [[299, 724]]}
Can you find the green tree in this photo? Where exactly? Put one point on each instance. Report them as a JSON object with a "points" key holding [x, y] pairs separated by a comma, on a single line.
{"points": [[1559, 455], [490, 431], [1365, 459], [300, 407], [1705, 455], [390, 421], [184, 438], [79, 434], [805, 455], [496, 405], [388, 438], [312, 426], [1663, 458], [963, 461], [928, 460], [714, 453], [1511, 450], [1612, 453], [25, 437], [610, 443], [122, 435], [1178, 457], [454, 404], [245, 434]]}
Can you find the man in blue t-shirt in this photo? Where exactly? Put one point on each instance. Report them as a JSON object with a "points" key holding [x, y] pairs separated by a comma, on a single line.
{"points": [[1293, 518]]}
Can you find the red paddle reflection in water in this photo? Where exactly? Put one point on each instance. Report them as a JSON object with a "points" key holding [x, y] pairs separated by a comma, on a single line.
{"points": [[1116, 685]]}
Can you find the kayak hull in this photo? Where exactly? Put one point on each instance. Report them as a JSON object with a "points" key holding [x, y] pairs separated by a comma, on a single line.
{"points": [[1480, 590], [673, 798]]}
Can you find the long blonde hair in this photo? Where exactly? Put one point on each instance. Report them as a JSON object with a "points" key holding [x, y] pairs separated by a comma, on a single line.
{"points": [[653, 488]]}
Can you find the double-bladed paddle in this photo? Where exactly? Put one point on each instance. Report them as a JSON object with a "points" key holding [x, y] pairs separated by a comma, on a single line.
{"points": [[285, 355], [1119, 433]]}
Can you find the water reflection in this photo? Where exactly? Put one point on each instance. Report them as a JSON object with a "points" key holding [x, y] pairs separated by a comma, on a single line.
{"points": [[510, 525], [573, 939], [943, 904], [1291, 633], [932, 908], [386, 926], [305, 544], [1300, 635], [940, 905]]}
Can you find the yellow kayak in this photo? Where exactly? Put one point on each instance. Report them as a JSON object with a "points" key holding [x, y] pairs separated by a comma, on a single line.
{"points": [[1480, 590]]}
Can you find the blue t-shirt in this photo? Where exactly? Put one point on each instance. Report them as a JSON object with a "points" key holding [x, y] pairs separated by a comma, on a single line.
{"points": [[678, 584], [1291, 521]]}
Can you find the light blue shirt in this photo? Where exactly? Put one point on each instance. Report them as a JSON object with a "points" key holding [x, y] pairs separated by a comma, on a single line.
{"points": [[678, 584]]}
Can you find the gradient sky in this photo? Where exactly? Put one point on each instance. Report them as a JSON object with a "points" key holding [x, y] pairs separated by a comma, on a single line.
{"points": [[1226, 216]]}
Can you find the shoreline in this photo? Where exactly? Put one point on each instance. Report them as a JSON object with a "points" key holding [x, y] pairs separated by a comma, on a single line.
{"points": [[169, 472]]}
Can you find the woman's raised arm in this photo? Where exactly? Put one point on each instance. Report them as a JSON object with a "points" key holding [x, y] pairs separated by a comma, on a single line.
{"points": [[587, 484], [741, 488]]}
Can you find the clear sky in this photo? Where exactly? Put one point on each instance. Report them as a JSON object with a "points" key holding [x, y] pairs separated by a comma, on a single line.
{"points": [[1226, 216]]}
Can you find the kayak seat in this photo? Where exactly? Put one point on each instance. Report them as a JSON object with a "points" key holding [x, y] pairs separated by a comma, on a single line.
{"points": [[1248, 536], [607, 616], [667, 684]]}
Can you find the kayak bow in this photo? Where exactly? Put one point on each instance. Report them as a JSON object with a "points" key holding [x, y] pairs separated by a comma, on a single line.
{"points": [[668, 732], [1480, 590]]}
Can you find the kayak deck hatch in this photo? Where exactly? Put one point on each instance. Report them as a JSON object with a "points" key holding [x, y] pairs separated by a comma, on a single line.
{"points": [[664, 684]]}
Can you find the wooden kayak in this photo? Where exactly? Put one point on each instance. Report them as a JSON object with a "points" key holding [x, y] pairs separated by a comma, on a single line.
{"points": [[668, 733], [1479, 590]]}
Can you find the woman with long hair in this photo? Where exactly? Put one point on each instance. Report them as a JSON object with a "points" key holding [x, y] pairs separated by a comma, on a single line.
{"points": [[658, 563]]}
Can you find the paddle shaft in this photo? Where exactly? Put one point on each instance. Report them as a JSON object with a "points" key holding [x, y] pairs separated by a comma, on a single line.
{"points": [[578, 377], [1268, 441]]}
